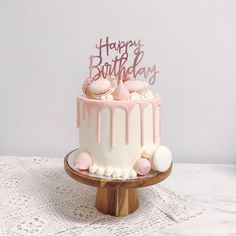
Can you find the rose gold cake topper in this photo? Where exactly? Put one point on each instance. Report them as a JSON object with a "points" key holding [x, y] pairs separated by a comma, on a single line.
{"points": [[125, 62]]}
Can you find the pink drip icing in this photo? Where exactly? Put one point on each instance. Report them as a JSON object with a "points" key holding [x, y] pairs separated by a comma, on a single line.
{"points": [[99, 125], [142, 106], [112, 125], [155, 104], [98, 105]]}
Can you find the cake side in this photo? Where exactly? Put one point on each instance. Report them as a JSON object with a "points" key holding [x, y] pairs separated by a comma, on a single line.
{"points": [[117, 133]]}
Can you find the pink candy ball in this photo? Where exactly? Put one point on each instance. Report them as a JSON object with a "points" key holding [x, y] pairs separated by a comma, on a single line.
{"points": [[142, 166], [84, 161]]}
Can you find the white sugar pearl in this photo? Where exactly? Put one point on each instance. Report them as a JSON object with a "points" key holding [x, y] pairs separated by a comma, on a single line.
{"points": [[161, 159], [100, 171], [125, 173], [116, 173], [132, 173], [108, 171], [93, 168]]}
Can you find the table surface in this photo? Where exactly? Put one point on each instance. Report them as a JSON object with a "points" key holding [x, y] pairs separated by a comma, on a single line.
{"points": [[214, 186]]}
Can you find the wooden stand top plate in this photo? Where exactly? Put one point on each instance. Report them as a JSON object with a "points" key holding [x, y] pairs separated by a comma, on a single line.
{"points": [[105, 182]]}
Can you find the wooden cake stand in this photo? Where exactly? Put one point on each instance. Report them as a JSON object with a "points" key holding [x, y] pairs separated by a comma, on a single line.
{"points": [[114, 197]]}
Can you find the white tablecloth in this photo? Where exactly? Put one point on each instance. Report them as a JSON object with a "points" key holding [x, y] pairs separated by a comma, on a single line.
{"points": [[38, 198]]}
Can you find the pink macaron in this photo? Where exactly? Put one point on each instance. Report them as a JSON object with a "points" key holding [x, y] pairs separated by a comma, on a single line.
{"points": [[142, 166], [100, 86], [86, 84], [84, 161], [135, 86]]}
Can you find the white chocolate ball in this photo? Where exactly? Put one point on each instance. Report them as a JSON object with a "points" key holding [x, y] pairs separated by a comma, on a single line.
{"points": [[161, 159]]}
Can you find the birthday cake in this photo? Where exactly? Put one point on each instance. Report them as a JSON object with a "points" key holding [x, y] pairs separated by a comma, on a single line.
{"points": [[118, 117]]}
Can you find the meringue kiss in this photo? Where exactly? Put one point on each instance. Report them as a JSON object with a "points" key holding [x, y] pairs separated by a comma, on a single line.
{"points": [[121, 92]]}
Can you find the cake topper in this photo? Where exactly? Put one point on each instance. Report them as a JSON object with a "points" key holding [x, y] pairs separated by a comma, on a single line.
{"points": [[125, 63]]}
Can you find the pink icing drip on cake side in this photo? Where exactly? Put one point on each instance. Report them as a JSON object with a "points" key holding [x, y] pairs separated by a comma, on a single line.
{"points": [[142, 106], [155, 104], [99, 126], [99, 105], [112, 125]]}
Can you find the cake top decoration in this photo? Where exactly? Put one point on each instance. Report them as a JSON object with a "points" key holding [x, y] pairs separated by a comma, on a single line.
{"points": [[119, 62]]}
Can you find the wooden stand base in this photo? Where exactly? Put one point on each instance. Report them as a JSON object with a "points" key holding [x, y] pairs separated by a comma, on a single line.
{"points": [[114, 197], [117, 201]]}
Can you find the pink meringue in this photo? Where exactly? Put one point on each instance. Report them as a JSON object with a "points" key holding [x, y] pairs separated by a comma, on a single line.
{"points": [[128, 76], [135, 85], [142, 166], [84, 161], [121, 92]]}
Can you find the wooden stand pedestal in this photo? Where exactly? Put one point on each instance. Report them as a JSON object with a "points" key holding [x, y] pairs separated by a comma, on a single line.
{"points": [[114, 197], [117, 201]]}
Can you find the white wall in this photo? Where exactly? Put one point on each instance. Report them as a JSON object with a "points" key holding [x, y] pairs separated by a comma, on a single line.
{"points": [[44, 48]]}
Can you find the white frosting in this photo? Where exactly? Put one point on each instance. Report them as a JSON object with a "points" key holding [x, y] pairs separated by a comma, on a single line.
{"points": [[134, 96], [148, 94], [109, 97], [145, 95]]}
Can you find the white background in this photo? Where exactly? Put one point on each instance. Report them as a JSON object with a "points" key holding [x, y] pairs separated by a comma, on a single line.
{"points": [[44, 48]]}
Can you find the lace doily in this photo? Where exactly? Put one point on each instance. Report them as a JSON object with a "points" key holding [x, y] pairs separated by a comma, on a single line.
{"points": [[38, 198]]}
